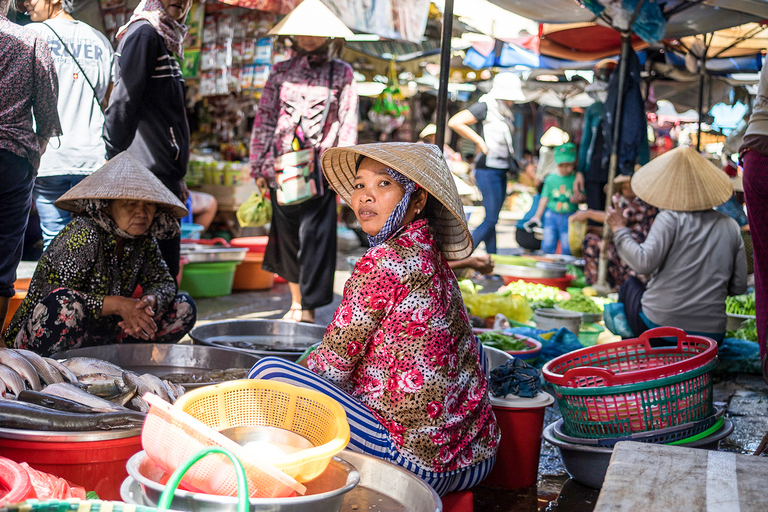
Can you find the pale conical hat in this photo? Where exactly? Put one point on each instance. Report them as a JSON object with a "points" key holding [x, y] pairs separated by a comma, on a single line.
{"points": [[123, 177], [554, 136], [682, 180], [424, 164], [311, 18]]}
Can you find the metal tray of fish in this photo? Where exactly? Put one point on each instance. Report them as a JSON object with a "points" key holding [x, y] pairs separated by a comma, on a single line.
{"points": [[68, 437], [203, 254], [165, 360], [383, 487], [260, 337]]}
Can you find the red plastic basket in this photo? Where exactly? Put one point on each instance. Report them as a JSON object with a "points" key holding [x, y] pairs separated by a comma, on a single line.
{"points": [[631, 361]]}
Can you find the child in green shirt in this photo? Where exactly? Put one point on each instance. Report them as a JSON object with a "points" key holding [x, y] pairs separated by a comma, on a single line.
{"points": [[558, 202]]}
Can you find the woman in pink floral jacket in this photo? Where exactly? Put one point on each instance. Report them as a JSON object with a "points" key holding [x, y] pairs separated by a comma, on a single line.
{"points": [[399, 354]]}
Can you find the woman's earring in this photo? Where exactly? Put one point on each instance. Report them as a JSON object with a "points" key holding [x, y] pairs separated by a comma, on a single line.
{"points": [[418, 211]]}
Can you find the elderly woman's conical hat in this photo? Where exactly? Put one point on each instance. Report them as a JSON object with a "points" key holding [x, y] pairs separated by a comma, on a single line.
{"points": [[311, 18], [422, 163], [682, 180], [123, 177]]}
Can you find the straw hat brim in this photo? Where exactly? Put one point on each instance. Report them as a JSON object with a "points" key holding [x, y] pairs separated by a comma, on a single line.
{"points": [[123, 177], [682, 180], [311, 18], [424, 164], [621, 178]]}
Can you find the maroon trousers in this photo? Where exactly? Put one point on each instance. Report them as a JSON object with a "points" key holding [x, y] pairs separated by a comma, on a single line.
{"points": [[755, 181]]}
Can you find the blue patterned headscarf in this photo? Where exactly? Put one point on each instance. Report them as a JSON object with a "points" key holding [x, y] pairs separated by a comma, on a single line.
{"points": [[396, 217]]}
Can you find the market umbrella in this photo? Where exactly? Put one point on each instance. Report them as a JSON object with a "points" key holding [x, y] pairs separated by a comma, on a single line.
{"points": [[723, 45], [681, 18]]}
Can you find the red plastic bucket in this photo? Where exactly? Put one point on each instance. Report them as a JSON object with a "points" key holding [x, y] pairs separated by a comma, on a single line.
{"points": [[96, 465], [521, 422]]}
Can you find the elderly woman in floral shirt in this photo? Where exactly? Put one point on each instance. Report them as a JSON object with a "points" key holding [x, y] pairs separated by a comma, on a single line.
{"points": [[82, 291], [399, 354]]}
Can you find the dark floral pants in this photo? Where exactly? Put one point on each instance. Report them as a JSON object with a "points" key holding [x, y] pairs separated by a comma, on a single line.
{"points": [[61, 321]]}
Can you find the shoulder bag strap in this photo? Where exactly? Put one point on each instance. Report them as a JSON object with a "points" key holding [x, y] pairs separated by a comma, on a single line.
{"points": [[327, 101], [85, 75]]}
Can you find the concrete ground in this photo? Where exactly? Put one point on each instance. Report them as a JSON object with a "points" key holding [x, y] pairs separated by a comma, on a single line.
{"points": [[745, 395]]}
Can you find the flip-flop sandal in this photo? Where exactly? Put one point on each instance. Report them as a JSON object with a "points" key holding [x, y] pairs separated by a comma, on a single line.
{"points": [[293, 315]]}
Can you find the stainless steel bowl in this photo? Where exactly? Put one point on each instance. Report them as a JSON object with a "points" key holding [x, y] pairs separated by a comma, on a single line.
{"points": [[260, 337], [68, 437], [324, 494], [164, 359], [270, 444], [206, 253], [587, 318], [542, 270]]}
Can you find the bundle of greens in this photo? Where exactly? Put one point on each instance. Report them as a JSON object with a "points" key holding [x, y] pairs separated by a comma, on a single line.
{"points": [[740, 304], [501, 341], [746, 331]]}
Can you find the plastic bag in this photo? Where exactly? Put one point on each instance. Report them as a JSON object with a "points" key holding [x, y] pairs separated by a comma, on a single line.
{"points": [[485, 305], [388, 110], [255, 211], [577, 230]]}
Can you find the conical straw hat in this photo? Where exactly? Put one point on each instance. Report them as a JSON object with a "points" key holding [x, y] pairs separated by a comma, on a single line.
{"points": [[123, 177], [554, 136], [682, 180], [311, 18], [424, 164]]}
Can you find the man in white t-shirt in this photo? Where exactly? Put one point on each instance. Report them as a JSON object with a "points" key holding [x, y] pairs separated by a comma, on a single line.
{"points": [[83, 59]]}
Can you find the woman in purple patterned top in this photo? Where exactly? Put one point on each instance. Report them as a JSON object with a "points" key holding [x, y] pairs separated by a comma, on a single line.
{"points": [[30, 90], [302, 238]]}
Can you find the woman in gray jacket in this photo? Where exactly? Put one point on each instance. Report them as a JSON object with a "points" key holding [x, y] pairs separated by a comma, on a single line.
{"points": [[695, 255]]}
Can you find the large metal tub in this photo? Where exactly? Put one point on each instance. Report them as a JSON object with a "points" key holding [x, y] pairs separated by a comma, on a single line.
{"points": [[162, 359], [324, 494], [383, 487], [260, 337]]}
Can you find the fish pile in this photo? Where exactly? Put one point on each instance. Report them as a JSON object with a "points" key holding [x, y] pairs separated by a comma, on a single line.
{"points": [[207, 377], [79, 393]]}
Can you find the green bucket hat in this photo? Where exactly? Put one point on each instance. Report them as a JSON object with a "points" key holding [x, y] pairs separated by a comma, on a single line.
{"points": [[565, 153]]}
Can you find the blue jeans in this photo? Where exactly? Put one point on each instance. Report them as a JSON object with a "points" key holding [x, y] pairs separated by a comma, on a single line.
{"points": [[493, 185], [16, 180], [555, 228], [47, 190]]}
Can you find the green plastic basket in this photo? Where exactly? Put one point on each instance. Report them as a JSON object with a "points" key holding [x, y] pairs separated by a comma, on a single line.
{"points": [[243, 504], [610, 411], [209, 279]]}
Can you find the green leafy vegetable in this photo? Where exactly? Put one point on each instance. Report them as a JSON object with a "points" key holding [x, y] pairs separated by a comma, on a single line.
{"points": [[746, 331], [581, 303], [740, 304], [501, 341]]}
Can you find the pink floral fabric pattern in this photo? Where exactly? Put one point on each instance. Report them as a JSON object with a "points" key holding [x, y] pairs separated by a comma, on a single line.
{"points": [[296, 89], [29, 88], [401, 343]]}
